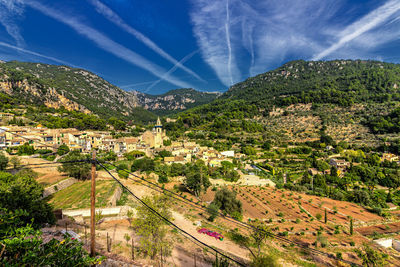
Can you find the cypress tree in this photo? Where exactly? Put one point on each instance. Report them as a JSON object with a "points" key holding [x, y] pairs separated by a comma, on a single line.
{"points": [[351, 226]]}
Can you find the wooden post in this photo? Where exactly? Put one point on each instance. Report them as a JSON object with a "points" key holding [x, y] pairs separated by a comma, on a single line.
{"points": [[133, 249], [161, 258], [92, 207], [195, 265], [85, 235], [108, 249], [2, 251]]}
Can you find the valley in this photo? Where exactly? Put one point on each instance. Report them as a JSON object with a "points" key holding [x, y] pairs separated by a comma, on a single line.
{"points": [[312, 163]]}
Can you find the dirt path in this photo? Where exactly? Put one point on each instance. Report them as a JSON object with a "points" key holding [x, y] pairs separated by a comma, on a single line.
{"points": [[380, 229], [187, 225], [180, 256], [225, 245]]}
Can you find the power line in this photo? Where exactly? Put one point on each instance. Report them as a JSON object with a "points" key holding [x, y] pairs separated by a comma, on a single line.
{"points": [[47, 164], [24, 167], [226, 217], [231, 219], [166, 220], [57, 162], [182, 232], [30, 140], [187, 201]]}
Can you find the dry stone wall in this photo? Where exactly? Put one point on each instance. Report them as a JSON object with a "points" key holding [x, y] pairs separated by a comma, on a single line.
{"points": [[58, 186]]}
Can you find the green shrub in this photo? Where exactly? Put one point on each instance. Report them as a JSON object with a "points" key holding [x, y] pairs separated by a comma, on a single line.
{"points": [[284, 233], [163, 179]]}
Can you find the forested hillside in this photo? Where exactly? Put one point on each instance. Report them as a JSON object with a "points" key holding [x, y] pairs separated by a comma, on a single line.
{"points": [[341, 82], [349, 99]]}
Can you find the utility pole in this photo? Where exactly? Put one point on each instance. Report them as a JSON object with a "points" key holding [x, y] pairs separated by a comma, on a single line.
{"points": [[92, 207]]}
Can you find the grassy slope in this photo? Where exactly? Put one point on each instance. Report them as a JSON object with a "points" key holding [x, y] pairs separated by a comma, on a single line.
{"points": [[77, 196]]}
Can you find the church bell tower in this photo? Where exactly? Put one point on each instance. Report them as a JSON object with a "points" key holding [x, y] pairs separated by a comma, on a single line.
{"points": [[158, 126]]}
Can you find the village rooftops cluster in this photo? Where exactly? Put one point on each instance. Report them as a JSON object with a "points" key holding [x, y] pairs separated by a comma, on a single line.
{"points": [[84, 141], [184, 152], [343, 165], [150, 143]]}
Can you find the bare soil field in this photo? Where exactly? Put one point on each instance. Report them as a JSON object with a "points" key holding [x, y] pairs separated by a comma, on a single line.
{"points": [[388, 228], [294, 212], [288, 202], [47, 175]]}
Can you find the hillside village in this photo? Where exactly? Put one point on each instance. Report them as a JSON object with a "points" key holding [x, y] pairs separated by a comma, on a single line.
{"points": [[199, 133], [255, 173], [317, 176], [149, 143], [256, 181]]}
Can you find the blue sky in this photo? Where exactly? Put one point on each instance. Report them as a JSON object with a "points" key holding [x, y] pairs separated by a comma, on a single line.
{"points": [[158, 45]]}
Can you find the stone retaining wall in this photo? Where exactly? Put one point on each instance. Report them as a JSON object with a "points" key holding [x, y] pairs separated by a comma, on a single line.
{"points": [[58, 186], [115, 197]]}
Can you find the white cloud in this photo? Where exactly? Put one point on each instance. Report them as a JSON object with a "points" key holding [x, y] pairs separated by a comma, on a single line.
{"points": [[260, 35], [106, 43], [211, 26], [114, 18], [367, 23], [133, 85], [10, 10], [235, 34]]}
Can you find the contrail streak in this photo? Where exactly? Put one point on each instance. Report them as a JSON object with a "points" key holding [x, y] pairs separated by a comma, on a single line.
{"points": [[128, 86], [186, 58], [106, 43], [117, 20], [228, 41], [366, 23], [36, 54]]}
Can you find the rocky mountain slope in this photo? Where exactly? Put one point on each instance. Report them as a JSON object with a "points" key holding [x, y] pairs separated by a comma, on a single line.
{"points": [[174, 100], [72, 88], [77, 89]]}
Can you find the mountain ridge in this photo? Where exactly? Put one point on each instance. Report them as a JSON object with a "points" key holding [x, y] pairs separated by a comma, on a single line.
{"points": [[81, 90], [174, 100], [351, 100], [338, 76]]}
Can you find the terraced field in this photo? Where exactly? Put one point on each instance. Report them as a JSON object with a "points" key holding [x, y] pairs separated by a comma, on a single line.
{"points": [[77, 196]]}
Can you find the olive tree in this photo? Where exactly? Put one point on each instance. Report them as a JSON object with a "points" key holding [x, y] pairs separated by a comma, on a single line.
{"points": [[78, 170], [152, 228], [3, 162]]}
